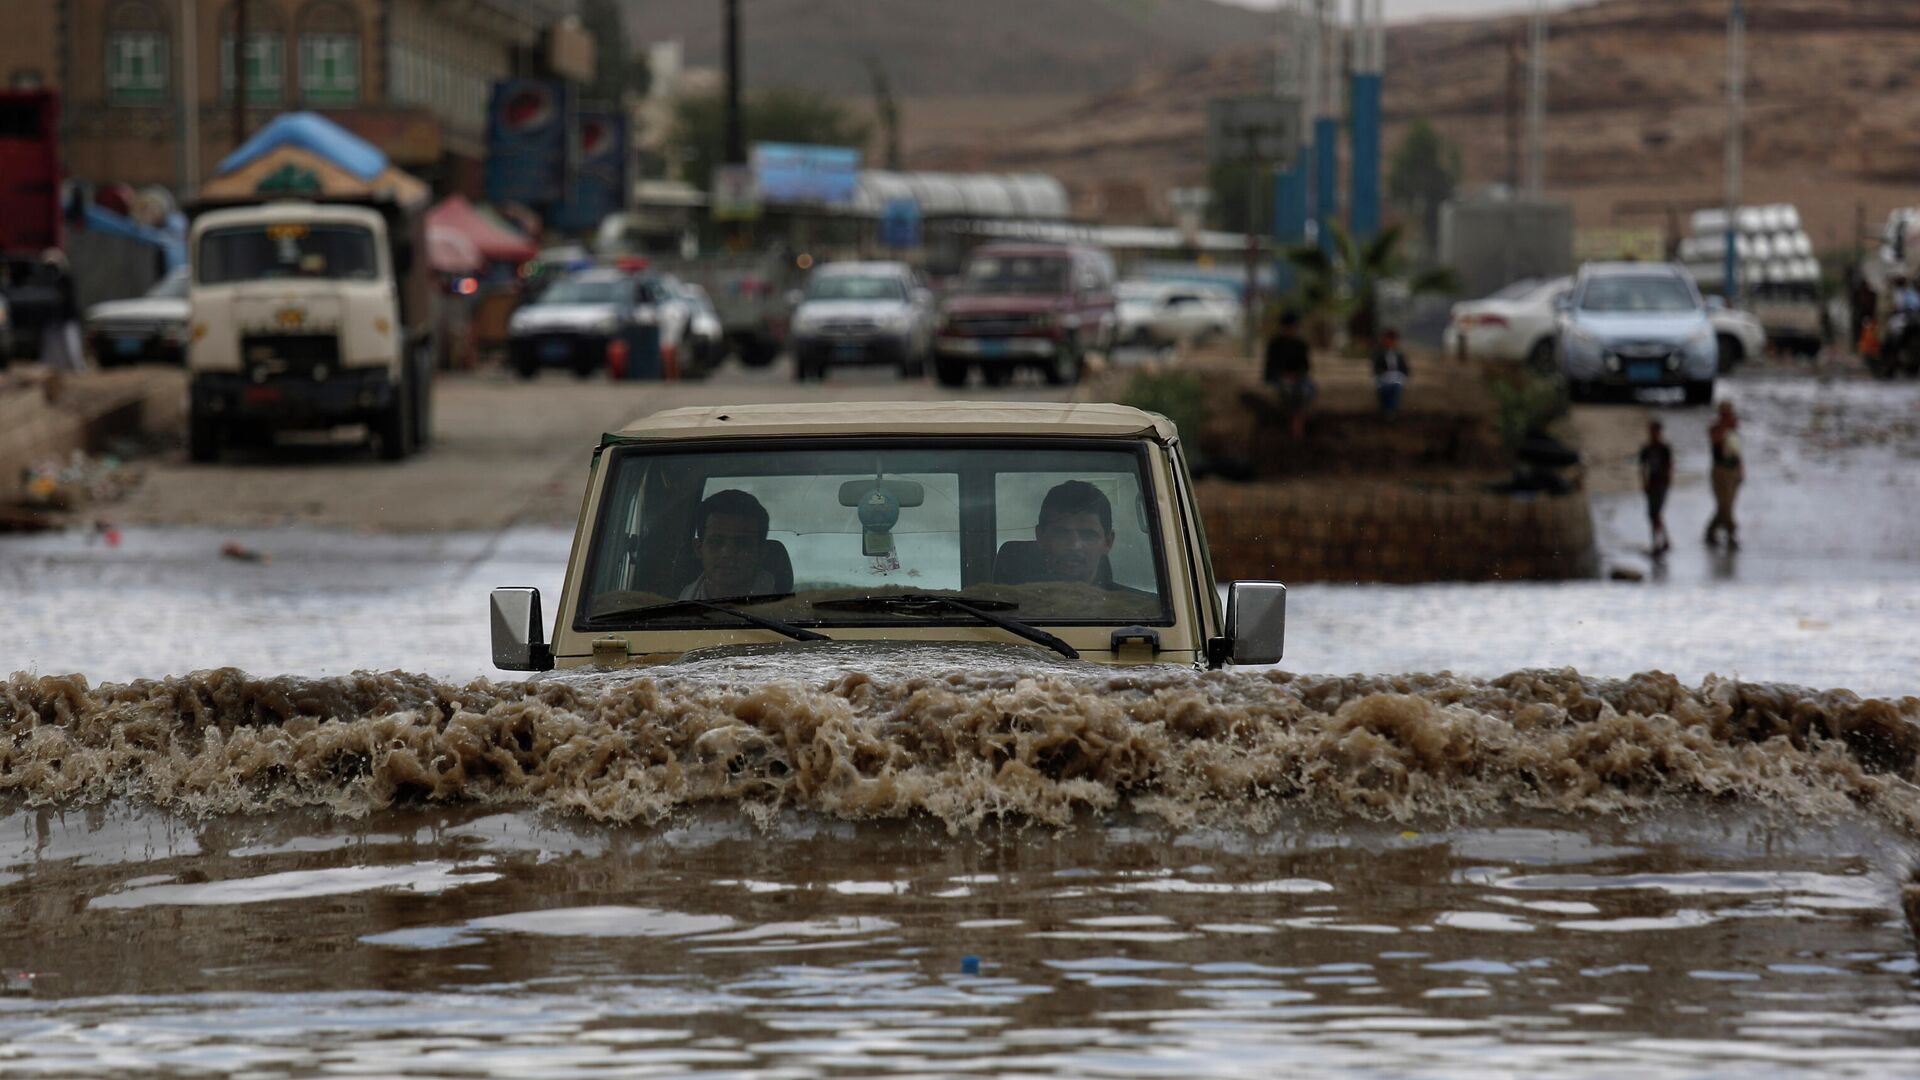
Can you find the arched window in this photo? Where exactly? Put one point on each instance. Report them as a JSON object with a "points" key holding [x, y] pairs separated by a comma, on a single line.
{"points": [[138, 48], [266, 53], [329, 55]]}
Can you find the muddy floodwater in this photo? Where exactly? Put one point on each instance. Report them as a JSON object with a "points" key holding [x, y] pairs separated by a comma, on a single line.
{"points": [[275, 817]]}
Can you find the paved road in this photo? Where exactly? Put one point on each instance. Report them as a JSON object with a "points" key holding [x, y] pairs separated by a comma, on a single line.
{"points": [[504, 452]]}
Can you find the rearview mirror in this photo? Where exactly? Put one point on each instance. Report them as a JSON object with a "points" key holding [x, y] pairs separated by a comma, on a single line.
{"points": [[519, 637], [1256, 623], [903, 492]]}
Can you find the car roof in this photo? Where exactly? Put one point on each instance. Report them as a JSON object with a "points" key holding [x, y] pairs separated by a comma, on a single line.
{"points": [[967, 418], [600, 275], [1636, 269], [874, 267]]}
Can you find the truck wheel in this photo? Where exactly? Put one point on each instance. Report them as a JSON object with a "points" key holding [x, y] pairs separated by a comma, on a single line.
{"points": [[392, 428], [1700, 393], [950, 372], [203, 440], [527, 368]]}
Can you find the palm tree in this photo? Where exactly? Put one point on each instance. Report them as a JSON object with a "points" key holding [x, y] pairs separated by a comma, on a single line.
{"points": [[1344, 285]]}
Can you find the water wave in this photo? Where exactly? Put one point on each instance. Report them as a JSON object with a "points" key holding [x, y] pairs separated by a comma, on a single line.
{"points": [[965, 744]]}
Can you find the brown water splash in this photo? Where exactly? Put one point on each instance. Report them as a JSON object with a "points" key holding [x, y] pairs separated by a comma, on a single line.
{"points": [[964, 746]]}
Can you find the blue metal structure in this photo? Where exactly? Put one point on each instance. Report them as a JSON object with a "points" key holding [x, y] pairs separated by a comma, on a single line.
{"points": [[1363, 205], [1326, 178]]}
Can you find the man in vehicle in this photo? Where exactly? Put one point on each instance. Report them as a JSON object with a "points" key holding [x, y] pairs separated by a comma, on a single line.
{"points": [[1075, 533], [729, 535]]}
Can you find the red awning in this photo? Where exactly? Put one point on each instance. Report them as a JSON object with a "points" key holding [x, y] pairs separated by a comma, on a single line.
{"points": [[496, 243]]}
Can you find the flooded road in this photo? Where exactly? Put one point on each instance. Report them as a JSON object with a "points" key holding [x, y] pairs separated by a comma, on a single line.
{"points": [[851, 870]]}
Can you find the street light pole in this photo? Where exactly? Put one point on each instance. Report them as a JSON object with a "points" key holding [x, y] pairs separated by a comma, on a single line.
{"points": [[1537, 104], [1736, 119]]}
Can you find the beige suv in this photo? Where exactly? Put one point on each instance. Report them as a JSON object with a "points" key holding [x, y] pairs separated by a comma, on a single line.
{"points": [[1069, 529]]}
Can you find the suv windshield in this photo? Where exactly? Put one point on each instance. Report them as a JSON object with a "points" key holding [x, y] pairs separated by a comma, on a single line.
{"points": [[1039, 275], [855, 287], [1059, 533], [1619, 295], [287, 250], [582, 292]]}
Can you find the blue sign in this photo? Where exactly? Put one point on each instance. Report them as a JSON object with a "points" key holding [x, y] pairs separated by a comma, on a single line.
{"points": [[900, 224], [793, 173], [527, 142], [598, 184]]}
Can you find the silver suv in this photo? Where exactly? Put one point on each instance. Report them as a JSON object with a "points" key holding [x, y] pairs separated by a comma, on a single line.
{"points": [[1628, 326], [862, 313]]}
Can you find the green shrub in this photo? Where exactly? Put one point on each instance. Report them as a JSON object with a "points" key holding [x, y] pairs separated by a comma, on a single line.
{"points": [[1527, 403], [1177, 395]]}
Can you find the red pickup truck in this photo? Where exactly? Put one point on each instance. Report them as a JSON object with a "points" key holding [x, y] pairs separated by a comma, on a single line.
{"points": [[1042, 306]]}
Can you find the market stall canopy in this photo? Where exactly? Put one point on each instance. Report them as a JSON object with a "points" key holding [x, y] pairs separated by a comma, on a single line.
{"points": [[450, 251], [494, 241], [305, 154]]}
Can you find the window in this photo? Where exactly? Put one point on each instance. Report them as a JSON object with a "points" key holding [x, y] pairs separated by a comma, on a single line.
{"points": [[956, 519], [330, 69], [138, 50], [266, 67], [289, 250]]}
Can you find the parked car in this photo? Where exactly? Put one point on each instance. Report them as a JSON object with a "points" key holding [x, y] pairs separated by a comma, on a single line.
{"points": [[892, 532], [1630, 326], [596, 319], [1042, 306], [1160, 313], [152, 327], [1518, 325], [862, 313], [1739, 334]]}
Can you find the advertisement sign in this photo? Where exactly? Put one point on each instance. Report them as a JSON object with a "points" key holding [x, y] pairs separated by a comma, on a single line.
{"points": [[900, 224], [527, 142], [599, 174], [795, 173], [735, 198]]}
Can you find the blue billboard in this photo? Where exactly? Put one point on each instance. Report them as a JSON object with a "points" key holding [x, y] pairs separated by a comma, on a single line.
{"points": [[527, 123], [795, 173], [597, 183]]}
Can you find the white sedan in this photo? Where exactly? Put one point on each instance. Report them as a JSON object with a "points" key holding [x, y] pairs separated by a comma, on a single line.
{"points": [[1517, 325], [1152, 313]]}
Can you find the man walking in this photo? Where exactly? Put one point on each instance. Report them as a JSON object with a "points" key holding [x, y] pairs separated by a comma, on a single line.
{"points": [[1729, 471], [1390, 373], [1289, 370], [1656, 476]]}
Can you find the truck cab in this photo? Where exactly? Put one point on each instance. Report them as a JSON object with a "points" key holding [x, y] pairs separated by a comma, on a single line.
{"points": [[297, 321], [1062, 528]]}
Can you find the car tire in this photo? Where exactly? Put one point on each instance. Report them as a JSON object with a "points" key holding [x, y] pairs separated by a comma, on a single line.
{"points": [[392, 427], [758, 352], [950, 372], [527, 368], [1732, 353], [1700, 393], [203, 440], [1540, 358]]}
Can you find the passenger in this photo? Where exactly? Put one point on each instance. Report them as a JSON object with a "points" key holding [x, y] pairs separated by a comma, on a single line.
{"points": [[729, 534], [1075, 533]]}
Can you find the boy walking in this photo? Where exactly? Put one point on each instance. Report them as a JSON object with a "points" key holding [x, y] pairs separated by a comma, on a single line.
{"points": [[1656, 476]]}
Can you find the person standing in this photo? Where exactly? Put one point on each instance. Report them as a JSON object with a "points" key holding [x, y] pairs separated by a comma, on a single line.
{"points": [[1656, 477], [1729, 471], [1289, 370], [60, 348], [1390, 373]]}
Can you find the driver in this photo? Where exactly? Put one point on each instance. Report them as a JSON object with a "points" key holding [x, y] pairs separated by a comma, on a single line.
{"points": [[1075, 532], [729, 533]]}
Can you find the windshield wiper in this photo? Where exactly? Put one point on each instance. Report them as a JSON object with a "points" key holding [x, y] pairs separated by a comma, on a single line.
{"points": [[979, 607], [719, 605]]}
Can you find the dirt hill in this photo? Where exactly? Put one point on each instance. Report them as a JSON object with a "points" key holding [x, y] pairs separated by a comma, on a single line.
{"points": [[946, 47], [1636, 101]]}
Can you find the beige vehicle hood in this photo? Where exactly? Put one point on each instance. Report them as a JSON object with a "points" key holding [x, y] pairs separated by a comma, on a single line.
{"points": [[961, 418]]}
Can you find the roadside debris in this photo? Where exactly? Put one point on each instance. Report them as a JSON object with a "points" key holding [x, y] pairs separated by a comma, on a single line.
{"points": [[234, 549]]}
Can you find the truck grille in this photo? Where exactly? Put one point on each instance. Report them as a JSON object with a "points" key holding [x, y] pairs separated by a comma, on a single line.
{"points": [[265, 356], [993, 325]]}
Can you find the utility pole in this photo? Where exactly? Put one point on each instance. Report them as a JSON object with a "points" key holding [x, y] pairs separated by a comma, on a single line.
{"points": [[1537, 105], [736, 148], [1736, 118], [239, 72], [189, 99]]}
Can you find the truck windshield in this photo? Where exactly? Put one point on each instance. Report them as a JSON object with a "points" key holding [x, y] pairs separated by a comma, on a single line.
{"points": [[287, 250], [853, 287], [1621, 295], [1062, 532], [1040, 275]]}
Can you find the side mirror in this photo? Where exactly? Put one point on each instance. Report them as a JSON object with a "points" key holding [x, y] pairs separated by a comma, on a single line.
{"points": [[1256, 624], [519, 638], [1563, 303]]}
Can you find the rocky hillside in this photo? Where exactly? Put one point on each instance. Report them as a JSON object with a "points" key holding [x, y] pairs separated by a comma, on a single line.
{"points": [[946, 47], [1636, 99]]}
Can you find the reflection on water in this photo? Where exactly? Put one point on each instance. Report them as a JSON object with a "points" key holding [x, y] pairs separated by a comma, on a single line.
{"points": [[475, 943]]}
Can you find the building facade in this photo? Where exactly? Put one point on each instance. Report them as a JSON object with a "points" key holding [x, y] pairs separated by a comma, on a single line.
{"points": [[148, 86]]}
